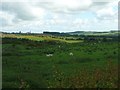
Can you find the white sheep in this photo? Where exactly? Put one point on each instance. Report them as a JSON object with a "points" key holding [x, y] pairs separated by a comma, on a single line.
{"points": [[49, 55], [59, 46], [71, 54]]}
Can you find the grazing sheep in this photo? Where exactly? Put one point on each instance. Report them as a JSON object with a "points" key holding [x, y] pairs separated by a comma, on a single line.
{"points": [[71, 54], [59, 46], [49, 55]]}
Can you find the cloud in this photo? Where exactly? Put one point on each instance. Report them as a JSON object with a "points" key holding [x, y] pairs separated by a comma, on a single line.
{"points": [[23, 11], [11, 13], [105, 13], [106, 10], [78, 23], [6, 19], [65, 6], [57, 14]]}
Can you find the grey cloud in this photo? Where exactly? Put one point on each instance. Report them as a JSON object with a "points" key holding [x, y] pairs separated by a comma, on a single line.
{"points": [[99, 3], [65, 6], [20, 10], [94, 6]]}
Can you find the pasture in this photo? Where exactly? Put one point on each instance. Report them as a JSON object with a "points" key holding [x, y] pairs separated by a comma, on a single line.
{"points": [[42, 38], [46, 62]]}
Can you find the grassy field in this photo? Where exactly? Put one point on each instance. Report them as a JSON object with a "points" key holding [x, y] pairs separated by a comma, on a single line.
{"points": [[41, 38], [46, 62]]}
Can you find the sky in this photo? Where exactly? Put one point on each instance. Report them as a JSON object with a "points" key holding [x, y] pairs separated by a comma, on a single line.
{"points": [[58, 15]]}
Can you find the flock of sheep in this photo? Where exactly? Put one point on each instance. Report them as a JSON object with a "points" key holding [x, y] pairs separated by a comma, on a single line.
{"points": [[50, 54]]}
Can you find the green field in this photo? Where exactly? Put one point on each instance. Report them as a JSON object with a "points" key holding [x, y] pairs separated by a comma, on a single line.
{"points": [[41, 38], [45, 62]]}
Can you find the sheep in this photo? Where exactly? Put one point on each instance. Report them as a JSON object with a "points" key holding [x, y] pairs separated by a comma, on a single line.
{"points": [[49, 55], [59, 46], [71, 54]]}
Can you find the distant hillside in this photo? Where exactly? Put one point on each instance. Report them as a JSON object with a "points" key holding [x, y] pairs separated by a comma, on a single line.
{"points": [[84, 33]]}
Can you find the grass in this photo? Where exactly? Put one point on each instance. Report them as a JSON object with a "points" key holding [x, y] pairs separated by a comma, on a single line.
{"points": [[40, 38], [25, 64]]}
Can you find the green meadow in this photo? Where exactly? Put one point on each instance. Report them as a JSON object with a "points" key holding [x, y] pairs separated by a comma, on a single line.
{"points": [[41, 61], [42, 38]]}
